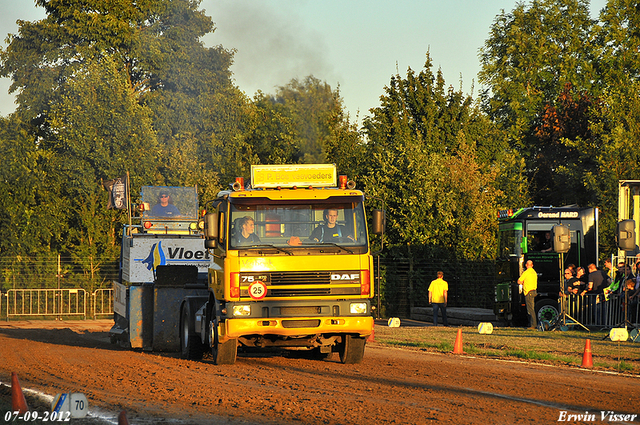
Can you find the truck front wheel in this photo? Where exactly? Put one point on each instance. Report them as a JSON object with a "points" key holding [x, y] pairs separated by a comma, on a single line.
{"points": [[351, 349], [225, 352]]}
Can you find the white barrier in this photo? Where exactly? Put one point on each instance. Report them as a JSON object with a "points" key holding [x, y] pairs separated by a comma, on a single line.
{"points": [[46, 302], [102, 300]]}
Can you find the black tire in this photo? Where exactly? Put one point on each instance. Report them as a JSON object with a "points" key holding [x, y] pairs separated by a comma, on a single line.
{"points": [[547, 310], [351, 349], [223, 353], [191, 347]]}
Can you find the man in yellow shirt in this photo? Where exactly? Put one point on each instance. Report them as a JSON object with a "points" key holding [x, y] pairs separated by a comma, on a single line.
{"points": [[438, 290], [529, 281]]}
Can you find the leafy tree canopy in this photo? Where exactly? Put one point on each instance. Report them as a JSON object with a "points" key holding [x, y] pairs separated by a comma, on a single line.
{"points": [[432, 160]]}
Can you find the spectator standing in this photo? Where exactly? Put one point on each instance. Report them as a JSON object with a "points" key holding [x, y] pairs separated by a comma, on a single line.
{"points": [[598, 280], [619, 277], [438, 296], [572, 283], [529, 281], [633, 294], [583, 277]]}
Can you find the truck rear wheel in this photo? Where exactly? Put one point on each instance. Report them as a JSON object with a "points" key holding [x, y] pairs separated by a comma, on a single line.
{"points": [[547, 310], [351, 349], [191, 347]]}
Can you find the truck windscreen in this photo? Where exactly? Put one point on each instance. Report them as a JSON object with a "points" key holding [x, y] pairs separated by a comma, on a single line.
{"points": [[260, 221], [509, 241], [169, 203]]}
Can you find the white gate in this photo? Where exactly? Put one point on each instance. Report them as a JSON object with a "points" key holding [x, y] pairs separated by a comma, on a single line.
{"points": [[47, 302]]}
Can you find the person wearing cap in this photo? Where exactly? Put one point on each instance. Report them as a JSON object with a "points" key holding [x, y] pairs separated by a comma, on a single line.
{"points": [[164, 207]]}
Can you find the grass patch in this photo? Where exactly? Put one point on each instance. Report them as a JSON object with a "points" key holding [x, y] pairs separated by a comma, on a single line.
{"points": [[625, 366], [555, 347]]}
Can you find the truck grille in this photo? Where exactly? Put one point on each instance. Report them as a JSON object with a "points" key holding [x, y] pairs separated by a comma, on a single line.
{"points": [[313, 323], [305, 284], [301, 278]]}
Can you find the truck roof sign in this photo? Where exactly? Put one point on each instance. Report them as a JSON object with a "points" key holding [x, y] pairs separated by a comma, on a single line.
{"points": [[299, 175]]}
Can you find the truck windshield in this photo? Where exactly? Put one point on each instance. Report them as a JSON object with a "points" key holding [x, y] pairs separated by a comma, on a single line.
{"points": [[170, 203], [509, 242], [259, 222]]}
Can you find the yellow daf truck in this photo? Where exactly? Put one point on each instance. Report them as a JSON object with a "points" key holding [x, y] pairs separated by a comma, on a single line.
{"points": [[290, 267]]}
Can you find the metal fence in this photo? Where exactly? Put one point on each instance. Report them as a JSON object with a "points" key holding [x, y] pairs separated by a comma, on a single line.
{"points": [[57, 303], [56, 286], [56, 272], [47, 302], [589, 311], [102, 302], [406, 282]]}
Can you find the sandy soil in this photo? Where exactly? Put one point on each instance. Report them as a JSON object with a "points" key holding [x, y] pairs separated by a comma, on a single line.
{"points": [[391, 386]]}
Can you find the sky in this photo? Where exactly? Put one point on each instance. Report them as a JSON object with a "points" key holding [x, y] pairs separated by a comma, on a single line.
{"points": [[353, 45]]}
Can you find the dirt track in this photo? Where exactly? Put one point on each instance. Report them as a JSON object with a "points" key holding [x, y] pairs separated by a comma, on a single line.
{"points": [[390, 386]]}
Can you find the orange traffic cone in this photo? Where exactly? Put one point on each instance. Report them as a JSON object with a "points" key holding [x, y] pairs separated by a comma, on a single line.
{"points": [[457, 346], [18, 401], [586, 357], [372, 337], [122, 418]]}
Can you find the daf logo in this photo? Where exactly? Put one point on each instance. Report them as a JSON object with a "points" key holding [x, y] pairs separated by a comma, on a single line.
{"points": [[345, 276]]}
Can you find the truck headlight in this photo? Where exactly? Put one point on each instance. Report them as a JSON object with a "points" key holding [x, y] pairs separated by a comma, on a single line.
{"points": [[358, 308], [241, 310]]}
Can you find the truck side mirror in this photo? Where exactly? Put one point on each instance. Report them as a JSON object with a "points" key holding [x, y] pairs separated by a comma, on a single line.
{"points": [[211, 226], [626, 235], [561, 238], [379, 220]]}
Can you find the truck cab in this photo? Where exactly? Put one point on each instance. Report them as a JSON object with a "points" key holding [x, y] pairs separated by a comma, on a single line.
{"points": [[290, 267], [526, 234]]}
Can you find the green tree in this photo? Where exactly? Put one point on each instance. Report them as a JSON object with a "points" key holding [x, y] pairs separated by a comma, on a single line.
{"points": [[435, 165], [32, 215], [539, 64], [531, 53], [344, 146], [108, 87], [156, 46], [303, 122], [99, 131], [619, 38]]}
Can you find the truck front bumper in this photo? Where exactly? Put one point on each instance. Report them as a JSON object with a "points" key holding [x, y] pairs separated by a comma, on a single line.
{"points": [[298, 326]]}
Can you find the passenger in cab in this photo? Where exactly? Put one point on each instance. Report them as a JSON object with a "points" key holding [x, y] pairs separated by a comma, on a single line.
{"points": [[246, 234], [547, 243]]}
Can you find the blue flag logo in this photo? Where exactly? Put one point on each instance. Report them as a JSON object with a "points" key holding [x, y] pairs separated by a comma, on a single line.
{"points": [[156, 257]]}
